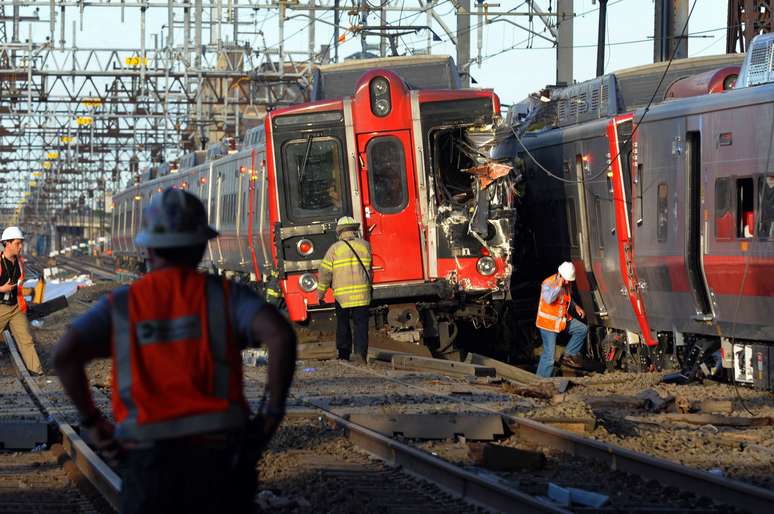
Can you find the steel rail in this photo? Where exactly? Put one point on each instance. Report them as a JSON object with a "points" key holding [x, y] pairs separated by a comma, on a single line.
{"points": [[104, 479], [458, 482], [726, 490], [92, 269]]}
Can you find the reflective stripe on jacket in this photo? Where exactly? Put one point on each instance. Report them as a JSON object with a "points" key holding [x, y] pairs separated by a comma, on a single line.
{"points": [[177, 370], [341, 270], [553, 316]]}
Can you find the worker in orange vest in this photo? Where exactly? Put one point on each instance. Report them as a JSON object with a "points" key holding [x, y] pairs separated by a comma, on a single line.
{"points": [[13, 306], [182, 430], [554, 317]]}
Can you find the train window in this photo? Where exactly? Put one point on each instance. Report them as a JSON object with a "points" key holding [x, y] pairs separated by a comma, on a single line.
{"points": [[663, 212], [313, 178], [387, 174], [724, 214], [766, 203], [745, 208]]}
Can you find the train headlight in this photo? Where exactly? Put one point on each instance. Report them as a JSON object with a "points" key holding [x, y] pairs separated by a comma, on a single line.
{"points": [[730, 82], [305, 247], [307, 282], [486, 266]]}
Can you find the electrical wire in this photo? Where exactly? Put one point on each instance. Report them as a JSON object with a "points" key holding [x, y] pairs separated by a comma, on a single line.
{"points": [[634, 130]]}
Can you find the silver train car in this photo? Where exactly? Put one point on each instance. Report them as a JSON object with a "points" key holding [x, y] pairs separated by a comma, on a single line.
{"points": [[232, 184], [668, 215]]}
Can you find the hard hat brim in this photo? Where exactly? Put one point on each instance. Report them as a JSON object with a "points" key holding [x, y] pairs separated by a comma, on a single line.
{"points": [[151, 240], [346, 227]]}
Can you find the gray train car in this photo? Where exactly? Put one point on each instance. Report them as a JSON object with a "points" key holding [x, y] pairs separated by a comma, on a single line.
{"points": [[668, 216], [232, 186]]}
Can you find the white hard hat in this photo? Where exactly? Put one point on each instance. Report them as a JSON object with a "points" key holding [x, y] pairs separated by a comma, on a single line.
{"points": [[567, 271], [173, 219], [346, 223], [12, 233]]}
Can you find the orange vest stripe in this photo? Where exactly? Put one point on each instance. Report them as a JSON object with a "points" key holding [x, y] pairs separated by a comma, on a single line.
{"points": [[153, 400], [553, 316]]}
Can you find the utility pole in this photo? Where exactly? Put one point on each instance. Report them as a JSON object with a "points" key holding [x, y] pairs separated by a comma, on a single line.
{"points": [[336, 20], [463, 42], [564, 41], [670, 18], [746, 19], [601, 38], [364, 23]]}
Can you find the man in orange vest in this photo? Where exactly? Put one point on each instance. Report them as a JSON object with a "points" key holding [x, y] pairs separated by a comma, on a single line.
{"points": [[13, 307], [182, 428], [554, 317]]}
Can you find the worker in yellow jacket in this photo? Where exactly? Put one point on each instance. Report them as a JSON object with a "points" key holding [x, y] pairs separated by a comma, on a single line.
{"points": [[346, 268]]}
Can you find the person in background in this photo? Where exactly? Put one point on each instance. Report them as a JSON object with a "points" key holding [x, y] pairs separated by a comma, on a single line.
{"points": [[554, 317], [13, 307], [346, 268], [182, 430]]}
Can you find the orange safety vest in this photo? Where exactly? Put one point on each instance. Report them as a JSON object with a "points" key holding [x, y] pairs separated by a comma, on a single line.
{"points": [[20, 301], [553, 316], [177, 370]]}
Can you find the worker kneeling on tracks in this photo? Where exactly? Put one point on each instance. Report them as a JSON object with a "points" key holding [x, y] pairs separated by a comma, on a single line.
{"points": [[554, 317], [13, 307], [183, 437], [346, 269]]}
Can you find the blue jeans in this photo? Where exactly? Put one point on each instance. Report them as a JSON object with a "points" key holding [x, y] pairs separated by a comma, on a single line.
{"points": [[577, 331]]}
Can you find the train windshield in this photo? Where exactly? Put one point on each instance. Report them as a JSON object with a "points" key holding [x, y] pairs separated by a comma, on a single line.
{"points": [[313, 178]]}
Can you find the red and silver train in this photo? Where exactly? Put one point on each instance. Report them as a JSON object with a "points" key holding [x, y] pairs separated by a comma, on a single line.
{"points": [[667, 213], [411, 165]]}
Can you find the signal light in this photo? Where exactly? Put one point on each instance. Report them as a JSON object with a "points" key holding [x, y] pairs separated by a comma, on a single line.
{"points": [[184, 185], [243, 169], [380, 97], [203, 180], [305, 247]]}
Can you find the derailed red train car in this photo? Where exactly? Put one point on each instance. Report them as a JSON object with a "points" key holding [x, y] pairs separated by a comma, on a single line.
{"points": [[410, 165]]}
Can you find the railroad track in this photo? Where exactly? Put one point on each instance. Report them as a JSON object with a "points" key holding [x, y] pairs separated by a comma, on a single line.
{"points": [[411, 477], [73, 449], [414, 475], [720, 489], [662, 484], [87, 267]]}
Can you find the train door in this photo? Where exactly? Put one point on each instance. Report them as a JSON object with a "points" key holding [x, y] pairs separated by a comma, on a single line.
{"points": [[205, 193], [389, 202], [620, 138], [695, 228], [240, 208], [219, 188], [579, 221]]}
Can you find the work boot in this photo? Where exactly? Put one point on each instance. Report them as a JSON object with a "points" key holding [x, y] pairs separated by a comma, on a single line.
{"points": [[581, 363], [343, 356], [358, 359]]}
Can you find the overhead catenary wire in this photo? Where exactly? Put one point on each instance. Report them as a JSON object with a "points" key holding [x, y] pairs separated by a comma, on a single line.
{"points": [[636, 127]]}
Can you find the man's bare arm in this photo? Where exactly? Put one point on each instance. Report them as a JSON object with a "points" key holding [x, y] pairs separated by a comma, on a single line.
{"points": [[274, 331], [71, 355]]}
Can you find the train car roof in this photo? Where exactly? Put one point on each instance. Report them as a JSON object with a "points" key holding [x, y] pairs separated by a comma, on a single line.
{"points": [[419, 72], [636, 85]]}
